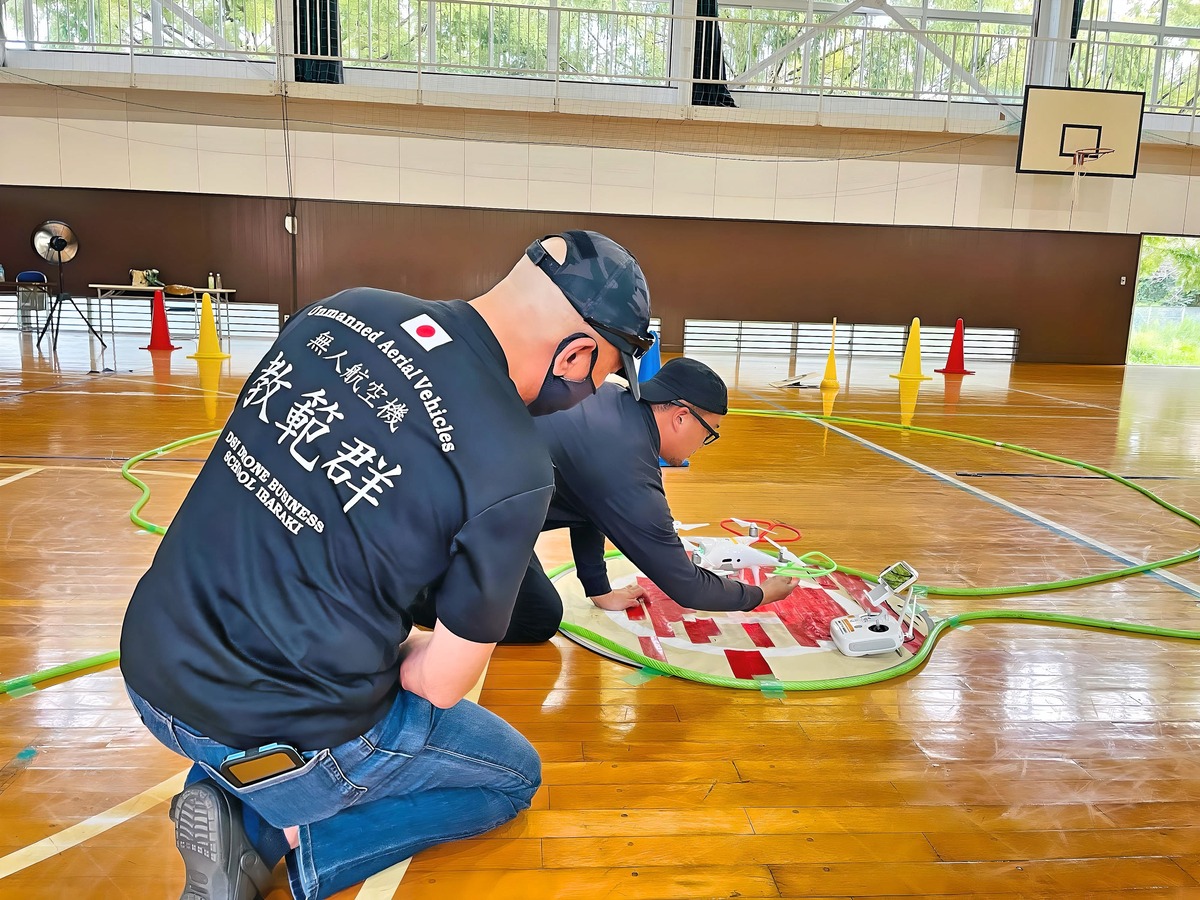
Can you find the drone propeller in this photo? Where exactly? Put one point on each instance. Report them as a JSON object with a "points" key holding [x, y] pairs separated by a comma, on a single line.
{"points": [[756, 529], [687, 526], [785, 555]]}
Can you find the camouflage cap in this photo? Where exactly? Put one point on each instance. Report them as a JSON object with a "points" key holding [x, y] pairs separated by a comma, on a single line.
{"points": [[605, 284]]}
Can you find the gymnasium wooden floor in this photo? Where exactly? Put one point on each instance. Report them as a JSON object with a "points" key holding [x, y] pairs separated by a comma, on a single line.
{"points": [[1021, 761]]}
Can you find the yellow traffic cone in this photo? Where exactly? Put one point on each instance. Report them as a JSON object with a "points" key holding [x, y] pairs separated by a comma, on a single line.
{"points": [[830, 382], [909, 388], [910, 366], [209, 370], [827, 398], [209, 345]]}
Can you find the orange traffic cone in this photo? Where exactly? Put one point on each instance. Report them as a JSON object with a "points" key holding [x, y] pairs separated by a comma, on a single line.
{"points": [[161, 360], [160, 334], [952, 385], [954, 362]]}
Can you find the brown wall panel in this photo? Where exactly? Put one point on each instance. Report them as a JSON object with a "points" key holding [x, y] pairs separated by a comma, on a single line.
{"points": [[1061, 290], [184, 236]]}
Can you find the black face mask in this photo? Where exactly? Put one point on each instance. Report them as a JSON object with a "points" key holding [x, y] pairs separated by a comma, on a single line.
{"points": [[560, 393]]}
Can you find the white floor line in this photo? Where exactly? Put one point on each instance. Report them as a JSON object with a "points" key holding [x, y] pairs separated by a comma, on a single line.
{"points": [[1063, 400], [1063, 530], [178, 387], [147, 394], [191, 476]]}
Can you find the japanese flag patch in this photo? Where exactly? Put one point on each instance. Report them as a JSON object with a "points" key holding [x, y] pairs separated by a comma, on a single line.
{"points": [[426, 332]]}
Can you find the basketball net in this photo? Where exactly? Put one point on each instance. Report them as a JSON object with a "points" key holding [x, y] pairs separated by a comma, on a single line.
{"points": [[1082, 157]]}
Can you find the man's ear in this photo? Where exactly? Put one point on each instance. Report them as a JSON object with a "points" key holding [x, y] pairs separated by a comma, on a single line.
{"points": [[570, 356]]}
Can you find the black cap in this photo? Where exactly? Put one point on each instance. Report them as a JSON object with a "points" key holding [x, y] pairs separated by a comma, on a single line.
{"points": [[691, 381], [606, 286]]}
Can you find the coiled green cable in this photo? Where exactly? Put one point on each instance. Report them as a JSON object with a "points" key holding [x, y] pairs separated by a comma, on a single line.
{"points": [[934, 590], [26, 682]]}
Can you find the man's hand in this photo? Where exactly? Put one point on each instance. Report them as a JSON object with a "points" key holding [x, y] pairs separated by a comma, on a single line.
{"points": [[776, 588], [622, 598]]}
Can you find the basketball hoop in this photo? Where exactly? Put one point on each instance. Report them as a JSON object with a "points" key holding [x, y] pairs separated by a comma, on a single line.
{"points": [[1082, 158], [1089, 153]]}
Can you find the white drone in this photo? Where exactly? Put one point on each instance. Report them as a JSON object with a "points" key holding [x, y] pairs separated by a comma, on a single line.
{"points": [[729, 555]]}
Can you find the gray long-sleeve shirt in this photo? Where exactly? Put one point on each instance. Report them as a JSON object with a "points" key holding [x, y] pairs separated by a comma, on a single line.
{"points": [[607, 481]]}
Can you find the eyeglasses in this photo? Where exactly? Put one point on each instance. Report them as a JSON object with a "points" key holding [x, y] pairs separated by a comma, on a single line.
{"points": [[712, 436]]}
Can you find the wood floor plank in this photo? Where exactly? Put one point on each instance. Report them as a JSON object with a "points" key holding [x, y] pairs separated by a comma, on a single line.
{"points": [[1072, 878], [619, 883], [1020, 762], [991, 820], [760, 849], [1065, 844]]}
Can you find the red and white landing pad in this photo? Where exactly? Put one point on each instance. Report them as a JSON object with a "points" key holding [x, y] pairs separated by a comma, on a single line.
{"points": [[787, 641]]}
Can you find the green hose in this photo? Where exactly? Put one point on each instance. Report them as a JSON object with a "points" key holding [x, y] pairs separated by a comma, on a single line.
{"points": [[934, 590], [24, 683], [127, 474]]}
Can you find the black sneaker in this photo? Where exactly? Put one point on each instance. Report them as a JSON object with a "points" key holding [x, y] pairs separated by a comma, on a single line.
{"points": [[221, 863]]}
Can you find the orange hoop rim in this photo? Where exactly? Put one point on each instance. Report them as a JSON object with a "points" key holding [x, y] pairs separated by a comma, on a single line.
{"points": [[1082, 156]]}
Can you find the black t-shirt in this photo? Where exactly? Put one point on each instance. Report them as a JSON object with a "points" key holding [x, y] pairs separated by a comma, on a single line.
{"points": [[608, 483], [379, 449]]}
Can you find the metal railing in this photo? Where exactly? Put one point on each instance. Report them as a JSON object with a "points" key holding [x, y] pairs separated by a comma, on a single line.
{"points": [[131, 315], [241, 28], [636, 42], [863, 339]]}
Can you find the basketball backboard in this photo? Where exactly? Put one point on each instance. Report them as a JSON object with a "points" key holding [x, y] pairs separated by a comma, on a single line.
{"points": [[1058, 121]]}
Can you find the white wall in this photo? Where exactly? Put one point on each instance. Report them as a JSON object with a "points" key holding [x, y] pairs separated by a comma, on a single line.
{"points": [[418, 155]]}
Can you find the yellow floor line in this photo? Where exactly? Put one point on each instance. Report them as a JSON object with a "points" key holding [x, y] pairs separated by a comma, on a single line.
{"points": [[109, 469], [11, 478], [22, 859], [382, 885]]}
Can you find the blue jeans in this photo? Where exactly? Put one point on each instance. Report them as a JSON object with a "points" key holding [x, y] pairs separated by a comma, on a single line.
{"points": [[421, 776]]}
